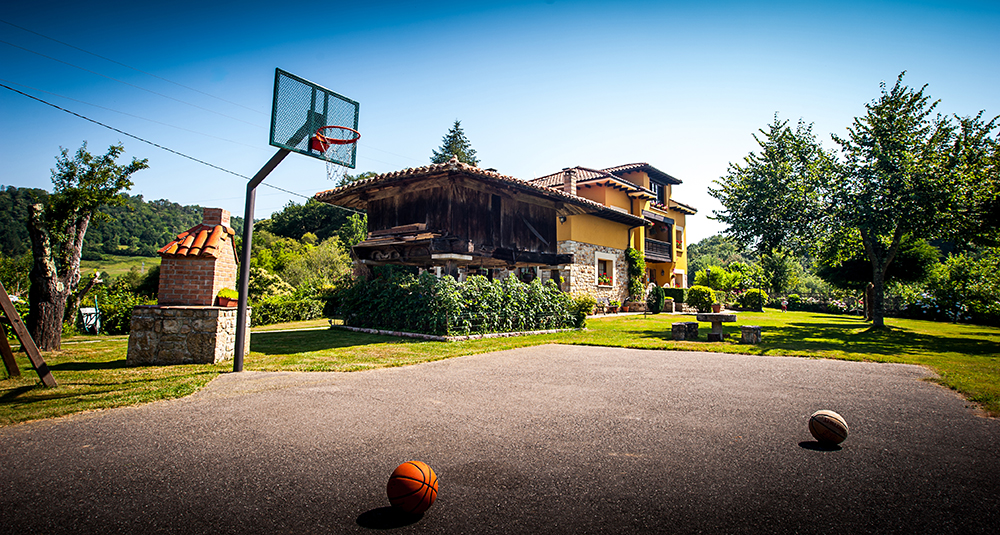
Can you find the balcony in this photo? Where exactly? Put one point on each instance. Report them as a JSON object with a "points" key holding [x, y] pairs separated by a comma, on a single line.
{"points": [[658, 251]]}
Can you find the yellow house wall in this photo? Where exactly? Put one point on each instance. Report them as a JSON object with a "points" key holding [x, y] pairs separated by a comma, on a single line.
{"points": [[592, 229]]}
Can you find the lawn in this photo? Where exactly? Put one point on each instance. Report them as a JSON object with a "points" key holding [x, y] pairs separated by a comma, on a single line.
{"points": [[92, 372], [116, 265]]}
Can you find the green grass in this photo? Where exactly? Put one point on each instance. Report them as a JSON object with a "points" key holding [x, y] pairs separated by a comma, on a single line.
{"points": [[115, 265], [92, 374]]}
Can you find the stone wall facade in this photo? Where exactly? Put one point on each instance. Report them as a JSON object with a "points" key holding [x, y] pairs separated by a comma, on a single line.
{"points": [[581, 275], [183, 335]]}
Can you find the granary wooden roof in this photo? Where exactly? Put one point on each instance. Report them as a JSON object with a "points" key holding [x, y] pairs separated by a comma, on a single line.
{"points": [[357, 194], [200, 241]]}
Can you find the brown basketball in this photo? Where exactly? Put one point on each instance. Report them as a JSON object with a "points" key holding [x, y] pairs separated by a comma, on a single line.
{"points": [[413, 487], [828, 427]]}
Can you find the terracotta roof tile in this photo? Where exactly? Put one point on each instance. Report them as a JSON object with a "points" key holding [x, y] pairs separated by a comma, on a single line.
{"points": [[202, 240]]}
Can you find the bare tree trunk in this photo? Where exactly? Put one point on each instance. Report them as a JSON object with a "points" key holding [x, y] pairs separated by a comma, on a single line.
{"points": [[47, 296]]}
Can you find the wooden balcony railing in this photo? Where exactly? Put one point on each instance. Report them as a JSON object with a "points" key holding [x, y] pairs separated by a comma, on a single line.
{"points": [[658, 251]]}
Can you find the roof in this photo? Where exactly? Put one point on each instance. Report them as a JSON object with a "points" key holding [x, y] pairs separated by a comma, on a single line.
{"points": [[586, 176], [653, 172], [354, 195], [681, 207], [200, 241]]}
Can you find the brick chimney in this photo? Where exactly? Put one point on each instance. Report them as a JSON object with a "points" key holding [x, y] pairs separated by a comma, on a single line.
{"points": [[199, 263], [569, 180]]}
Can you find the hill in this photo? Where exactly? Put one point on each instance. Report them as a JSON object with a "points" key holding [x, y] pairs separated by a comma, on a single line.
{"points": [[138, 228]]}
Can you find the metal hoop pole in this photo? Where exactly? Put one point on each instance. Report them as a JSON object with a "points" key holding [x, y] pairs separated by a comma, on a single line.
{"points": [[241, 318]]}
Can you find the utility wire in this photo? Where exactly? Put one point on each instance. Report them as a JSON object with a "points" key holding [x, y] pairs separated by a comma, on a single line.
{"points": [[128, 84], [129, 114], [130, 67], [181, 154]]}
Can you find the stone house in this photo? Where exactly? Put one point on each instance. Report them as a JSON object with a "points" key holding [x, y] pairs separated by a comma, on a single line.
{"points": [[598, 244]]}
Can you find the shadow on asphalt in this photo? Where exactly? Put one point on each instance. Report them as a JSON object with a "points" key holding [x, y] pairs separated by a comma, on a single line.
{"points": [[819, 446], [387, 518]]}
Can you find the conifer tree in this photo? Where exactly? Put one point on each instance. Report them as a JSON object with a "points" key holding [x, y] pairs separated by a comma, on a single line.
{"points": [[455, 144]]}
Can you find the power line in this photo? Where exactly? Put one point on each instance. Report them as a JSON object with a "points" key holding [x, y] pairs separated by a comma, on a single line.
{"points": [[129, 114], [157, 145], [128, 84], [130, 67]]}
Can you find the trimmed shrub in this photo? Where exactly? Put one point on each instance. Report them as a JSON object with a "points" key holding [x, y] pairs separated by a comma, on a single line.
{"points": [[281, 310], [679, 295], [426, 304], [656, 300], [753, 299], [701, 298]]}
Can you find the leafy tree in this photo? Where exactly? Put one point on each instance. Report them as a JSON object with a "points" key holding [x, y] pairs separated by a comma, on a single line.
{"points": [[842, 261], [354, 231], [318, 267], [455, 144], [295, 220], [83, 184], [14, 273], [716, 278], [14, 206], [791, 167], [903, 171], [718, 250], [781, 271]]}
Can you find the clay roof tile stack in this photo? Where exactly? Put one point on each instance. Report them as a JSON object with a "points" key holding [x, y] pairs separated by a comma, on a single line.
{"points": [[202, 240]]}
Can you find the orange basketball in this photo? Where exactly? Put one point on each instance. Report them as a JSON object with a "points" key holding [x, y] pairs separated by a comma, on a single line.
{"points": [[412, 487]]}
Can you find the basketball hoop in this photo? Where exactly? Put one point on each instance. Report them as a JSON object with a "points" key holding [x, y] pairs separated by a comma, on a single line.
{"points": [[335, 144]]}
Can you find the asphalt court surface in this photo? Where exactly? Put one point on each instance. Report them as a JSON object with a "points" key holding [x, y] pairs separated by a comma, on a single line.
{"points": [[549, 439]]}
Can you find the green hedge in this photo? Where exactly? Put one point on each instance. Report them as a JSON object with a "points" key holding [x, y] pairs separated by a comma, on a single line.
{"points": [[426, 304], [679, 295], [282, 310]]}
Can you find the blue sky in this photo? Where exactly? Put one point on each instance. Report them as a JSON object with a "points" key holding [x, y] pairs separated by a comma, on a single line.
{"points": [[538, 85]]}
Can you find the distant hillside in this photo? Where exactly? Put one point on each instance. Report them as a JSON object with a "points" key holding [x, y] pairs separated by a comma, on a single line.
{"points": [[138, 228]]}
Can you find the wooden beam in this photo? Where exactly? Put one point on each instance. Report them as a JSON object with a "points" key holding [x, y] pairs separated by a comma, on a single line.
{"points": [[8, 355], [26, 342]]}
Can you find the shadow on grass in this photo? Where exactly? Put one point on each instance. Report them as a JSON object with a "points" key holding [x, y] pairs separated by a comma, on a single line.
{"points": [[284, 343], [88, 366], [871, 341], [847, 336]]}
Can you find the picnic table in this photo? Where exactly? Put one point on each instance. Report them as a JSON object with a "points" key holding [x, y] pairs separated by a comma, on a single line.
{"points": [[716, 319]]}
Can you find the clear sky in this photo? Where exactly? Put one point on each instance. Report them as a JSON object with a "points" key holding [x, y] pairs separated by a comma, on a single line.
{"points": [[538, 85]]}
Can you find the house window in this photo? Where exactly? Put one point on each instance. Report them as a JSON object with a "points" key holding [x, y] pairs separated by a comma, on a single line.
{"points": [[680, 238], [659, 191], [605, 269]]}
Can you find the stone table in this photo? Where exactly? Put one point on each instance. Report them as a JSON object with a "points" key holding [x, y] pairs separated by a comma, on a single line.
{"points": [[717, 319]]}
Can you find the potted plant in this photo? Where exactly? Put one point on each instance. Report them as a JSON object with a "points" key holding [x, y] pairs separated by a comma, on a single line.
{"points": [[717, 307], [603, 280], [613, 306], [228, 297]]}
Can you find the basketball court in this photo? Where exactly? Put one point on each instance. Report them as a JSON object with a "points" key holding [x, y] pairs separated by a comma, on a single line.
{"points": [[550, 439]]}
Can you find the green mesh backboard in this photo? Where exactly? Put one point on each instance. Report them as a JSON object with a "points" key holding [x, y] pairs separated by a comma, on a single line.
{"points": [[300, 108]]}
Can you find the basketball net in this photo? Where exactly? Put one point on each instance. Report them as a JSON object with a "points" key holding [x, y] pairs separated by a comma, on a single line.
{"points": [[336, 144]]}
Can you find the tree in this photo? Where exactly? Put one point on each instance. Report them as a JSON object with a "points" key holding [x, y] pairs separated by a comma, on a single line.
{"points": [[354, 231], [455, 144], [82, 185], [791, 167], [903, 171]]}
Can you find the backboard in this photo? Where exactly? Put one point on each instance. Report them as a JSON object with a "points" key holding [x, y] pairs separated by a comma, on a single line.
{"points": [[300, 108]]}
